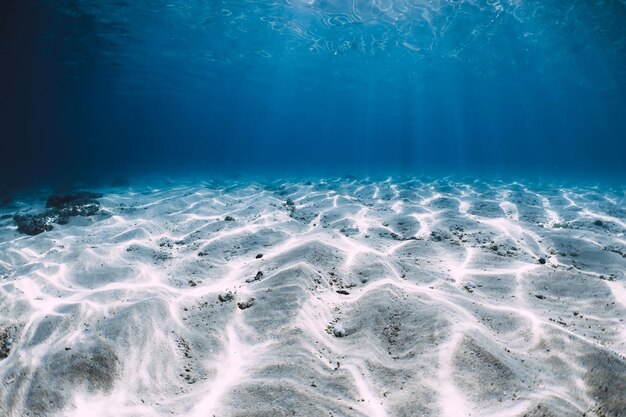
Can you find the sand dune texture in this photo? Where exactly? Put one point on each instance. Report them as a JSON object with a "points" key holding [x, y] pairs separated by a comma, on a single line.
{"points": [[336, 297]]}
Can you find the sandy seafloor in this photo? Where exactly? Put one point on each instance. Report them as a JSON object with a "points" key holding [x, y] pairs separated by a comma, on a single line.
{"points": [[398, 297]]}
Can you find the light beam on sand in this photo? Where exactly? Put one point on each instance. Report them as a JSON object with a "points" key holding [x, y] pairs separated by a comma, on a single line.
{"points": [[451, 401], [146, 286], [231, 369]]}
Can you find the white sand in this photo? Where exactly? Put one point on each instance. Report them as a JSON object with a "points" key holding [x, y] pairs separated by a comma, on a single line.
{"points": [[435, 287]]}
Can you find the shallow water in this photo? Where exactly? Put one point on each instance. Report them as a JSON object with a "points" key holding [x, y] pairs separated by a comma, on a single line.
{"points": [[312, 207], [108, 89]]}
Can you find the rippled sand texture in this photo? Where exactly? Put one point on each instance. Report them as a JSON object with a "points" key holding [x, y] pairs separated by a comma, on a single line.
{"points": [[390, 298]]}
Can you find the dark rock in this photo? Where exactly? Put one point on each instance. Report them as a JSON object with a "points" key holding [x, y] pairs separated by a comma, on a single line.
{"points": [[598, 223], [59, 210], [259, 256], [229, 219], [63, 220], [541, 297], [6, 342], [542, 261], [257, 277], [342, 292], [83, 208], [438, 236], [226, 297], [246, 304], [291, 206], [469, 288], [33, 224]]}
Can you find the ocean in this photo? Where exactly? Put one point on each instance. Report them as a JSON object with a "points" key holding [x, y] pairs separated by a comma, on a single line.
{"points": [[104, 90], [312, 207]]}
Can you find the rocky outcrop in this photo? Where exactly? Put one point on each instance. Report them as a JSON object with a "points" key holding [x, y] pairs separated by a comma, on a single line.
{"points": [[59, 209]]}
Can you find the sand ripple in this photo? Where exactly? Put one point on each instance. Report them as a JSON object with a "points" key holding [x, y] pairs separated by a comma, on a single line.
{"points": [[336, 297]]}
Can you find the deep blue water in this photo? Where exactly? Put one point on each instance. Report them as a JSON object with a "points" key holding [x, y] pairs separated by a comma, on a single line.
{"points": [[106, 89]]}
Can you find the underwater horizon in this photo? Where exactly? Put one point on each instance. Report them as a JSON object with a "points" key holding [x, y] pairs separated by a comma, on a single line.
{"points": [[103, 90]]}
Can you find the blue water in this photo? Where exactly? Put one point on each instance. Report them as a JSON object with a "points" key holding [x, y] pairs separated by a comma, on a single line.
{"points": [[107, 89]]}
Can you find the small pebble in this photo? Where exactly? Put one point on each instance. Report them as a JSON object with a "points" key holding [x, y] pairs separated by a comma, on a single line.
{"points": [[246, 304], [339, 331], [225, 297]]}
